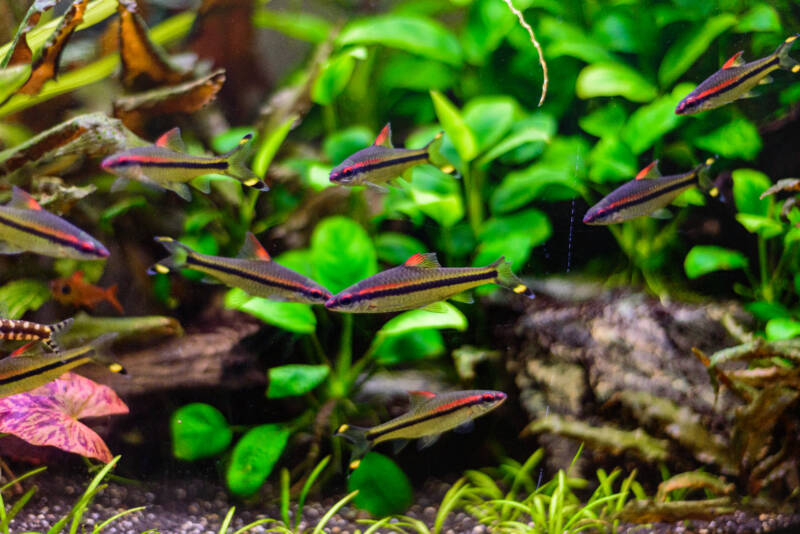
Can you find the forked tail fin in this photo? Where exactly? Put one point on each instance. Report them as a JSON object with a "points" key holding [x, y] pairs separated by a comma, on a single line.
{"points": [[57, 329], [237, 168], [177, 258], [508, 279], [111, 297], [786, 61], [357, 436], [435, 156], [704, 176]]}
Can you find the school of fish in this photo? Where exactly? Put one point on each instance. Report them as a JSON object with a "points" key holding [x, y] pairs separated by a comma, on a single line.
{"points": [[419, 283]]}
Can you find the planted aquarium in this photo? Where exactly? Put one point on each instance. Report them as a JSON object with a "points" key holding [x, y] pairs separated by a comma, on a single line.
{"points": [[399, 266]]}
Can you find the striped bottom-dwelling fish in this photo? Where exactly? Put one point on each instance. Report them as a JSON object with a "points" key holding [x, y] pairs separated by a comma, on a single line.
{"points": [[646, 193], [23, 373], [381, 162], [167, 165], [735, 79], [26, 227], [422, 283], [253, 271], [19, 330], [429, 416]]}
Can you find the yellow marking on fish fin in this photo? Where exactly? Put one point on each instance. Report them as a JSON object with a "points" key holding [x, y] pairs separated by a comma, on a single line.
{"points": [[251, 182], [790, 39], [354, 464], [796, 68], [164, 239], [161, 268], [521, 288], [116, 368], [342, 429], [714, 192], [710, 161], [245, 139]]}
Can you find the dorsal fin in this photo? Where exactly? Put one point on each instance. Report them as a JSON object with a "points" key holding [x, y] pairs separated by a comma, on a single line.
{"points": [[418, 397], [385, 137], [253, 249], [22, 200], [426, 260], [734, 61], [172, 140], [651, 171]]}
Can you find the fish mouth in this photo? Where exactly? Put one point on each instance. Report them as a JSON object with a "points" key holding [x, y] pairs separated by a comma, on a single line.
{"points": [[102, 252], [590, 218], [330, 303], [106, 164]]}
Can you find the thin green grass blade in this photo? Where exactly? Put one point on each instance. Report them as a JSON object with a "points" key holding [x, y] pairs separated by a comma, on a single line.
{"points": [[335, 508], [301, 501], [98, 528], [223, 528]]}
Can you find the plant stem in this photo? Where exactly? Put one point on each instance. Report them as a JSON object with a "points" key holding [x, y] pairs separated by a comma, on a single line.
{"points": [[345, 357], [766, 287]]}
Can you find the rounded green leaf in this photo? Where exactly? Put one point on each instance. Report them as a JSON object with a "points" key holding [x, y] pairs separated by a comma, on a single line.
{"points": [[537, 182], [410, 347], [535, 130], [332, 79], [489, 118], [295, 24], [296, 379], [21, 296], [782, 328], [437, 195], [738, 139], [748, 185], [198, 431], [254, 457], [690, 46], [611, 160], [651, 122], [614, 79], [344, 143], [342, 253], [513, 236], [383, 488], [418, 35], [704, 259], [422, 319], [757, 224], [394, 248], [605, 121], [762, 17], [455, 126], [292, 316], [269, 145]]}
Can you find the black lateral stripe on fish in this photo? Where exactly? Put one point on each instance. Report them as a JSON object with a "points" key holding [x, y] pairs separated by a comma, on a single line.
{"points": [[428, 417], [734, 80], [381, 162], [421, 282], [253, 271], [648, 192], [25, 226], [18, 330], [166, 164]]}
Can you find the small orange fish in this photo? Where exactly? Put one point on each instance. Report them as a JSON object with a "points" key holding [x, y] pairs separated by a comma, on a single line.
{"points": [[74, 291]]}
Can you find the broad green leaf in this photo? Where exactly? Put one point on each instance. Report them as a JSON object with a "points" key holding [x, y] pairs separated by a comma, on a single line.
{"points": [[268, 147], [489, 118], [537, 129], [295, 379], [455, 126], [333, 78], [12, 79], [340, 145], [394, 248], [605, 121], [704, 259], [199, 431], [296, 24], [738, 139], [765, 310], [422, 319], [415, 73], [298, 260], [537, 182], [295, 317], [782, 328], [383, 488], [748, 185], [618, 30], [410, 347], [690, 46], [611, 160], [418, 35], [229, 139], [569, 40], [254, 457], [342, 253], [614, 79], [512, 236], [437, 195], [758, 224], [20, 296], [762, 17], [650, 123]]}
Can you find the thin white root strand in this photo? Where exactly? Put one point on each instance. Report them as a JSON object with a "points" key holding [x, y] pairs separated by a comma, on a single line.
{"points": [[536, 44]]}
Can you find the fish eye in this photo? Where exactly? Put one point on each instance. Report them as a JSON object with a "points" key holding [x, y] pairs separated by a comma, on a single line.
{"points": [[346, 299], [348, 171], [316, 293], [66, 290]]}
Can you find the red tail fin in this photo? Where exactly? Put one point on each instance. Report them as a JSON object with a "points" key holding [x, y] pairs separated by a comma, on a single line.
{"points": [[111, 297]]}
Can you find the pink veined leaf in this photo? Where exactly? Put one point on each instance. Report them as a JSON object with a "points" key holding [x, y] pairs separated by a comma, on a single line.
{"points": [[48, 415]]}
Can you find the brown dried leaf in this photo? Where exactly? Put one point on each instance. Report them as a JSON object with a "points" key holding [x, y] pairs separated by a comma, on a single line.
{"points": [[694, 480], [57, 197], [183, 98], [144, 64], [641, 511], [606, 438], [20, 51], [785, 185], [45, 67], [64, 147], [755, 423], [767, 376]]}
